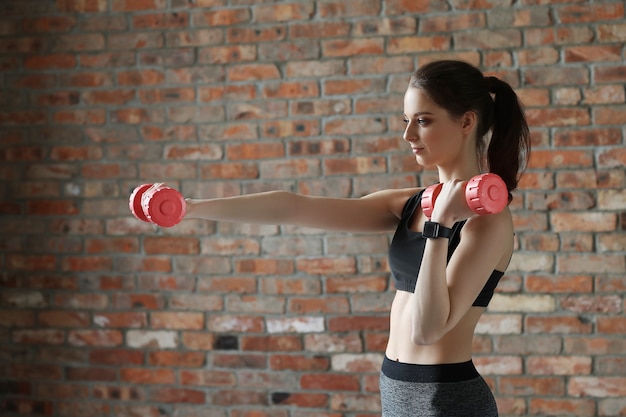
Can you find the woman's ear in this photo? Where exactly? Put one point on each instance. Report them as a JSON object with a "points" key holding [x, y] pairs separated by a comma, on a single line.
{"points": [[469, 121]]}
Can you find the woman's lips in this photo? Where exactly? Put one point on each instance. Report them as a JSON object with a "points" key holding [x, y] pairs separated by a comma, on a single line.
{"points": [[417, 150]]}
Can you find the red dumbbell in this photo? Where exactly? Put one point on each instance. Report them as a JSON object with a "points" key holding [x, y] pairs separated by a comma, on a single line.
{"points": [[484, 194], [158, 204]]}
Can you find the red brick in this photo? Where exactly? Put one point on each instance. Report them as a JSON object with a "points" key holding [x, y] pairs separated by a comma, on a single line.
{"points": [[299, 363], [207, 378], [171, 245], [595, 53], [414, 44], [146, 77], [64, 391], [560, 284], [251, 72], [80, 117], [175, 320], [597, 386], [355, 323], [147, 376], [176, 359], [221, 17], [39, 337], [228, 323], [611, 325], [13, 318], [132, 41], [408, 6], [20, 117], [559, 365], [563, 324], [116, 357], [137, 5], [322, 266], [161, 21], [247, 361], [227, 284], [610, 116], [95, 338], [300, 400], [118, 393], [121, 320], [338, 48], [575, 407], [198, 341], [489, 39], [60, 318], [499, 365], [238, 398], [271, 343], [254, 151], [592, 304], [526, 386], [264, 266], [87, 263], [31, 262], [84, 6], [306, 306], [87, 80], [330, 382], [590, 13], [284, 12], [56, 61], [91, 374], [242, 35], [178, 396], [147, 301], [348, 401], [319, 30], [610, 74]]}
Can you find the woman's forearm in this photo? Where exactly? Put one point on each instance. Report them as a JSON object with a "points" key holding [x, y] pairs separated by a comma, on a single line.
{"points": [[431, 300], [272, 207]]}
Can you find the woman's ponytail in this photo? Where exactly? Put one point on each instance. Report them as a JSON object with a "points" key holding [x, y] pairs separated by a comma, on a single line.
{"points": [[509, 146]]}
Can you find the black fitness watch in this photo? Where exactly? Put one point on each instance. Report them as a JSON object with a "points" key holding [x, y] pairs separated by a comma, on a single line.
{"points": [[433, 230]]}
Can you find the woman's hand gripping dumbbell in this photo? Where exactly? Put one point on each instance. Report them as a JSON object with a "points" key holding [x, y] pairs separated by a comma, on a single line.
{"points": [[158, 204], [484, 194]]}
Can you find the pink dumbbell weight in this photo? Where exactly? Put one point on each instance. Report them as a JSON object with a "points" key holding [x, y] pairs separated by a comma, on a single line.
{"points": [[484, 194], [158, 204]]}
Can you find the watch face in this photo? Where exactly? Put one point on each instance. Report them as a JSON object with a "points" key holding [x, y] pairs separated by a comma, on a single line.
{"points": [[430, 229]]}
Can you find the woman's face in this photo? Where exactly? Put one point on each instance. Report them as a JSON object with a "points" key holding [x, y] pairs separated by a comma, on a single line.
{"points": [[435, 137]]}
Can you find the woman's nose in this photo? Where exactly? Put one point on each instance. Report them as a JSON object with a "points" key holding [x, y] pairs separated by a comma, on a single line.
{"points": [[410, 133]]}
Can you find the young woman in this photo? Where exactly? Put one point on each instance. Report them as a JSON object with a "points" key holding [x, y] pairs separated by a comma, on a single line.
{"points": [[463, 124]]}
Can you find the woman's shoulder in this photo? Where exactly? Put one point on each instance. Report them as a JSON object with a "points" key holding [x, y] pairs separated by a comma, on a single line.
{"points": [[398, 198]]}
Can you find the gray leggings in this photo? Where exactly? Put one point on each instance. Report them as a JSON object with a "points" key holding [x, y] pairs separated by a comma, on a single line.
{"points": [[448, 390]]}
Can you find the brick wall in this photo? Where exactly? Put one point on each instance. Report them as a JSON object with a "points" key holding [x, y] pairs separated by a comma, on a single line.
{"points": [[102, 315]]}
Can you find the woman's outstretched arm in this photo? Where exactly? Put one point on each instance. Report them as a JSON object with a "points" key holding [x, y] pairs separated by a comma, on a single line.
{"points": [[378, 211]]}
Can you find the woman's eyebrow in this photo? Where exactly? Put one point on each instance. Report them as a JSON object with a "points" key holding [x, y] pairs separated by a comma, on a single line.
{"points": [[420, 113]]}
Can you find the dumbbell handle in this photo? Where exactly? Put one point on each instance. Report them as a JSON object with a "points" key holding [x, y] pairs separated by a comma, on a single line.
{"points": [[484, 194], [158, 204]]}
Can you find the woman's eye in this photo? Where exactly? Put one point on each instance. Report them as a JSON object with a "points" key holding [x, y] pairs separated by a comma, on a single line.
{"points": [[422, 122], [405, 120]]}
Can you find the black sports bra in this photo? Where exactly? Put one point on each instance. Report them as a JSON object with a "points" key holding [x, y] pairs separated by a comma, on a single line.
{"points": [[407, 250]]}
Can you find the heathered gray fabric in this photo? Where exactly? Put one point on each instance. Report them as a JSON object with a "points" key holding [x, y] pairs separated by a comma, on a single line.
{"points": [[471, 398]]}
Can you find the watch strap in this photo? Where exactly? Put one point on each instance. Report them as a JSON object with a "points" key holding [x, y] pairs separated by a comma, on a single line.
{"points": [[433, 230]]}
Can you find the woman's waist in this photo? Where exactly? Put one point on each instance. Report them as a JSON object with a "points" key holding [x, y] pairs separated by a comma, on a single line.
{"points": [[429, 373]]}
